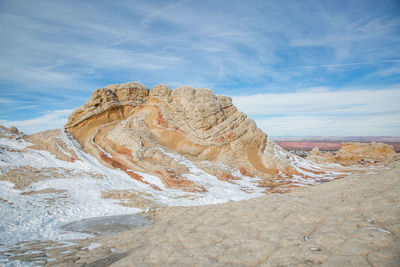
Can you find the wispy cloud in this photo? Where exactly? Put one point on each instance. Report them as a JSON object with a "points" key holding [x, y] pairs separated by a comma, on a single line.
{"points": [[303, 125], [321, 100], [353, 64], [350, 38], [51, 120], [322, 111], [161, 11], [183, 41], [7, 101]]}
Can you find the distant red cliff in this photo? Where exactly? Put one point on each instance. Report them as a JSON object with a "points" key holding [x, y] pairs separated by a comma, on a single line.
{"points": [[332, 144]]}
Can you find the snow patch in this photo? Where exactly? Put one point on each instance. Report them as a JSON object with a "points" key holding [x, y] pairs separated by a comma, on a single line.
{"points": [[92, 246]]}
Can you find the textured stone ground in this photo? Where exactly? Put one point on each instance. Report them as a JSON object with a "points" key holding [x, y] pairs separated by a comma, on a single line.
{"points": [[354, 221]]}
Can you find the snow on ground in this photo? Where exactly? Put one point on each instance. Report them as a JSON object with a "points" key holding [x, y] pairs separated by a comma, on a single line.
{"points": [[29, 217], [310, 173]]}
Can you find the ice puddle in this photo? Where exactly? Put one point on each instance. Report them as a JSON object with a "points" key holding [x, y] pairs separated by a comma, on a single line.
{"points": [[106, 225]]}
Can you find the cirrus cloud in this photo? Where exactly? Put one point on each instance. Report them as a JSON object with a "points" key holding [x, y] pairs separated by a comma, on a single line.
{"points": [[323, 111]]}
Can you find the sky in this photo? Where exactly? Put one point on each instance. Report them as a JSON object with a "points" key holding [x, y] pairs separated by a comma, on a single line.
{"points": [[298, 68]]}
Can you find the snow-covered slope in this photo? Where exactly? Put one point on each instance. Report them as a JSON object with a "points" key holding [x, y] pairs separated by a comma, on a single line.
{"points": [[76, 191], [40, 193]]}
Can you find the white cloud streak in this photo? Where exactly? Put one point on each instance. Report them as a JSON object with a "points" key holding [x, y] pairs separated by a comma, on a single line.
{"points": [[51, 120], [321, 100], [320, 111], [302, 125]]}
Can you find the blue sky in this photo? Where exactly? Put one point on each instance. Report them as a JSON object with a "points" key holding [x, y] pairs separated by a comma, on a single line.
{"points": [[297, 67]]}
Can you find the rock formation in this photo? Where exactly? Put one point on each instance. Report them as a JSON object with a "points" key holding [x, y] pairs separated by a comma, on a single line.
{"points": [[10, 132], [163, 131], [52, 142], [377, 152], [356, 153], [319, 157]]}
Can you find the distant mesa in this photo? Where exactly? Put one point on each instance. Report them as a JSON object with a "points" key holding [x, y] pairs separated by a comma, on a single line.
{"points": [[332, 143]]}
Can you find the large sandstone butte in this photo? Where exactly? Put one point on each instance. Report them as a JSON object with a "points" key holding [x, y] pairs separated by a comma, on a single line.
{"points": [[163, 131]]}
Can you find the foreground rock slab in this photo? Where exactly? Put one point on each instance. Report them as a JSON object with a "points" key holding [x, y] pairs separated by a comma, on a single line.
{"points": [[354, 221]]}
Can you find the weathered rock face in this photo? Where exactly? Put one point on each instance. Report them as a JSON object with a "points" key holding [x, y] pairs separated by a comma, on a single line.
{"points": [[319, 157], [369, 152], [356, 153], [154, 131], [10, 132], [52, 142]]}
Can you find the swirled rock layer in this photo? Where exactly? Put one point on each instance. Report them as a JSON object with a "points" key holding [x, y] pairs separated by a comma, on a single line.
{"points": [[166, 132]]}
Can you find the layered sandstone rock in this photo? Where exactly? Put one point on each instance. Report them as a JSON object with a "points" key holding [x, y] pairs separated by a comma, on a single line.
{"points": [[365, 151], [159, 131], [356, 153], [52, 142]]}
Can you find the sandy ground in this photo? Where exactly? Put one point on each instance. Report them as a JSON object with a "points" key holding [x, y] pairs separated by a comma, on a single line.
{"points": [[353, 221]]}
